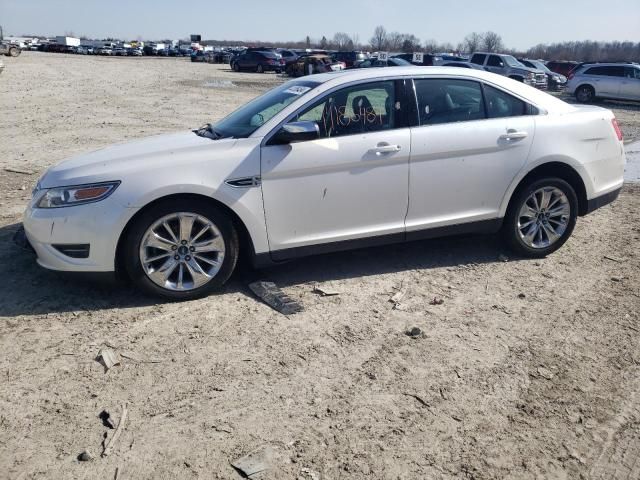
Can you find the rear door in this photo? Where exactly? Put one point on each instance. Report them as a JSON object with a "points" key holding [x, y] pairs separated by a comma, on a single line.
{"points": [[470, 142], [630, 87], [606, 80]]}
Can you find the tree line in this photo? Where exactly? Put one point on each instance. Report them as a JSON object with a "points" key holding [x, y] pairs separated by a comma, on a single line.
{"points": [[383, 40]]}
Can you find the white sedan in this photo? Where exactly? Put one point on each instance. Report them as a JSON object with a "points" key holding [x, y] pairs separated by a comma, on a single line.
{"points": [[331, 162]]}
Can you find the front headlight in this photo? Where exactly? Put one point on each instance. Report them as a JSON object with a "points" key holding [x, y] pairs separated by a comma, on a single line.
{"points": [[73, 195], [532, 76]]}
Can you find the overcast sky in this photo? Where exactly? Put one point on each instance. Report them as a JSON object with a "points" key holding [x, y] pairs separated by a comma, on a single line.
{"points": [[520, 23]]}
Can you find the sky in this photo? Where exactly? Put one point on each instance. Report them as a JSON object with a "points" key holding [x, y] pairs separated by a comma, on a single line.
{"points": [[521, 24]]}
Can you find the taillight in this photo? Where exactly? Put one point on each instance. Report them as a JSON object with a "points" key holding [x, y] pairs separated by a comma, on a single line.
{"points": [[616, 127]]}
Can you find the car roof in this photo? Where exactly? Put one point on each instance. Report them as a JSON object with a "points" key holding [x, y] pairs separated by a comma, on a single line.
{"points": [[531, 94]]}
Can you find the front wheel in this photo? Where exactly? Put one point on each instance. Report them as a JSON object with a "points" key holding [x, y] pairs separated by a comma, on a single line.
{"points": [[260, 68], [541, 217], [14, 52], [235, 67], [181, 249]]}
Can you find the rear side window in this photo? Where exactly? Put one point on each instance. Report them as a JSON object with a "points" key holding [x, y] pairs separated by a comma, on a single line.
{"points": [[478, 58], [606, 71], [501, 104], [631, 72], [447, 101], [494, 61]]}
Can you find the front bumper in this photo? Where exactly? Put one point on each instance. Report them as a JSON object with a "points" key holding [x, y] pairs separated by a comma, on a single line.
{"points": [[57, 234]]}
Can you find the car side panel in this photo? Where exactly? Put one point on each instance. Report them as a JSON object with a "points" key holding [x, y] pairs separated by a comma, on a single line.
{"points": [[584, 140]]}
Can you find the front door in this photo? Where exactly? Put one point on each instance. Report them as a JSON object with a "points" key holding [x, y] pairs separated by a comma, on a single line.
{"points": [[349, 184], [466, 151]]}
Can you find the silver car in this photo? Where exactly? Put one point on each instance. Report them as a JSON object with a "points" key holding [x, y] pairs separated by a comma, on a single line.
{"points": [[620, 81]]}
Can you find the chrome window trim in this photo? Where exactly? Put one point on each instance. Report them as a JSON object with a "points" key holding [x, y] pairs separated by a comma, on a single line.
{"points": [[272, 132]]}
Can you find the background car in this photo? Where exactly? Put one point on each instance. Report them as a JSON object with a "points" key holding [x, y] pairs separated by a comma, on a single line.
{"points": [[198, 56], [349, 58], [289, 56], [508, 66], [561, 66], [258, 61], [555, 81], [374, 62], [312, 64], [105, 51], [619, 81]]}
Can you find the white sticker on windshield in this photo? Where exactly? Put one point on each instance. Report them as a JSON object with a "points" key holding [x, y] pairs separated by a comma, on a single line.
{"points": [[297, 90]]}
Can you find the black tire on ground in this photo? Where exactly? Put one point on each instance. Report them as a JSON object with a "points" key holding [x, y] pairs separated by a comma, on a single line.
{"points": [[510, 231], [260, 68], [235, 67], [131, 251], [14, 52], [585, 94]]}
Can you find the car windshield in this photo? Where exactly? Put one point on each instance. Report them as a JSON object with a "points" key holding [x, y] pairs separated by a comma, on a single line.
{"points": [[511, 61], [248, 118]]}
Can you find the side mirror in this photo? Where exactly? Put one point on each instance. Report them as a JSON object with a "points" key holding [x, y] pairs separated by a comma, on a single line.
{"points": [[296, 132]]}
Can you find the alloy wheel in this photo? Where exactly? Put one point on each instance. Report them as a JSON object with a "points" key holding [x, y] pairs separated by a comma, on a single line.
{"points": [[544, 217], [182, 251]]}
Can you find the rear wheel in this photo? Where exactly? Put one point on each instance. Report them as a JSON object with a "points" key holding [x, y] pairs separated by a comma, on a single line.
{"points": [[181, 249], [541, 217], [585, 94]]}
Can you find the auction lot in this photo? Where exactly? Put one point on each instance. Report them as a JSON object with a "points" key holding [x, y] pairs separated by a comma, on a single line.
{"points": [[524, 368]]}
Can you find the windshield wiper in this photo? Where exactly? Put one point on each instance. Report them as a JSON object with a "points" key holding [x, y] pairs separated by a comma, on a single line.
{"points": [[208, 131]]}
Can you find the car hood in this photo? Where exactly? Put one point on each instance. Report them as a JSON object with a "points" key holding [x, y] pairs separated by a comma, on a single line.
{"points": [[529, 69], [115, 161]]}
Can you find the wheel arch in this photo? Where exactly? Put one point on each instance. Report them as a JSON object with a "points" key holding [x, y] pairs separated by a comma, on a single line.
{"points": [[245, 240], [556, 169]]}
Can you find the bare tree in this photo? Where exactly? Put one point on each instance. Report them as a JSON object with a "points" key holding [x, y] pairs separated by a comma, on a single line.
{"points": [[379, 39], [473, 42], [492, 42], [431, 46], [324, 43], [342, 40], [394, 41], [410, 43]]}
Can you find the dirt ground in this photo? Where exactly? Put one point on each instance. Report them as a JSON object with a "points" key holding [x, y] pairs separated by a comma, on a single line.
{"points": [[529, 369]]}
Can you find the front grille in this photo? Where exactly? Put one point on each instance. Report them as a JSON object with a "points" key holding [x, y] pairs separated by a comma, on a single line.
{"points": [[79, 250]]}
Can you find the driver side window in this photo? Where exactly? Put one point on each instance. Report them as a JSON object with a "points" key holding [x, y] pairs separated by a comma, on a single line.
{"points": [[354, 110]]}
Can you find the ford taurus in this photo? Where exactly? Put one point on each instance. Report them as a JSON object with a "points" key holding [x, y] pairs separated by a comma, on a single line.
{"points": [[331, 162]]}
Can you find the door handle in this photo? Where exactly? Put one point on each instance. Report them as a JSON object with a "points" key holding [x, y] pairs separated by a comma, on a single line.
{"points": [[383, 148], [513, 135]]}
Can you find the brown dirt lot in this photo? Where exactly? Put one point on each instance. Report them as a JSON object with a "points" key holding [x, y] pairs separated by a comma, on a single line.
{"points": [[529, 369]]}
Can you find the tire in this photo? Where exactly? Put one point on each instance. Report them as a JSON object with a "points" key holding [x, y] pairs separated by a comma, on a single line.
{"points": [[517, 79], [136, 246], [235, 67], [14, 52], [585, 94], [560, 219], [259, 68]]}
